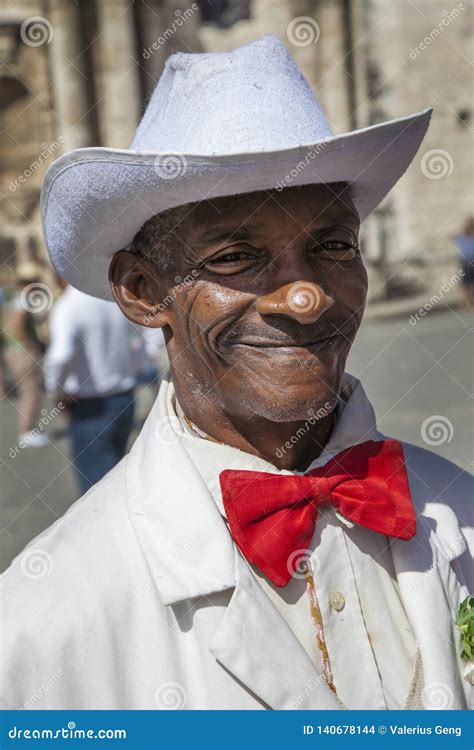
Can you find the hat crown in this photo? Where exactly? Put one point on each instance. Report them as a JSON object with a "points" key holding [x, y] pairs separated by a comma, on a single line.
{"points": [[254, 98]]}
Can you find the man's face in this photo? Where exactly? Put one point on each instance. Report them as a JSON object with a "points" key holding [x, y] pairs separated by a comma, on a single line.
{"points": [[270, 293]]}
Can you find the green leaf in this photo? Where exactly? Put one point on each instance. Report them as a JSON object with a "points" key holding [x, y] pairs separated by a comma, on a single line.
{"points": [[465, 623]]}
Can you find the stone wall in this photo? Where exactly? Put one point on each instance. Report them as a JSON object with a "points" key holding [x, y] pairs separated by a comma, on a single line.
{"points": [[87, 79]]}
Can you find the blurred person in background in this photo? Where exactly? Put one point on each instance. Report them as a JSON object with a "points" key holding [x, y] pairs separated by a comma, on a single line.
{"points": [[24, 345], [2, 344], [155, 348], [465, 243], [91, 366]]}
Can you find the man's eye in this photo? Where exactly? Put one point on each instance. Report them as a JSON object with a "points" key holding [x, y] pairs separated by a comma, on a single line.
{"points": [[230, 257], [234, 261], [335, 245], [230, 262], [336, 249]]}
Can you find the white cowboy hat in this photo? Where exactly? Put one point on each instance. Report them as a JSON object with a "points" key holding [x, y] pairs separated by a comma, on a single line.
{"points": [[217, 124]]}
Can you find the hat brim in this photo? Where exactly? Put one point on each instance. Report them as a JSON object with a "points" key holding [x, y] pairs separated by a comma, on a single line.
{"points": [[94, 200]]}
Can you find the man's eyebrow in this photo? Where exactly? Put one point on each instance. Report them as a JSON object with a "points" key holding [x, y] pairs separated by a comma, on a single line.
{"points": [[332, 221], [245, 232], [219, 234], [335, 217]]}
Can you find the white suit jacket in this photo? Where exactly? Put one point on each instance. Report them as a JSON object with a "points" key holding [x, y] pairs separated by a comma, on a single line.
{"points": [[138, 598]]}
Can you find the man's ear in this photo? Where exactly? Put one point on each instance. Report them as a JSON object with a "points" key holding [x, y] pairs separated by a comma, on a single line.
{"points": [[135, 285]]}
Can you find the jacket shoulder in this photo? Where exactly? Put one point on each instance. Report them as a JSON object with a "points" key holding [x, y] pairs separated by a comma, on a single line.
{"points": [[79, 539], [442, 494], [434, 479], [68, 586]]}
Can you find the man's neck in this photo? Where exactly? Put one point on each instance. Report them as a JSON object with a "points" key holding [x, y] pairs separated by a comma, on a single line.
{"points": [[286, 445]]}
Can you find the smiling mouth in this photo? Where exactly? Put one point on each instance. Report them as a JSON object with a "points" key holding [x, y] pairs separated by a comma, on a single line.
{"points": [[311, 345]]}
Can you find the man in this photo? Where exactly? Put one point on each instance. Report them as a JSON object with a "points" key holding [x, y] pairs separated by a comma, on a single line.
{"points": [[465, 243], [262, 546], [24, 349], [91, 365]]}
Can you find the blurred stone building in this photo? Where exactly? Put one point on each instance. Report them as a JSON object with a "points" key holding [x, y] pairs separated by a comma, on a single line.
{"points": [[75, 74]]}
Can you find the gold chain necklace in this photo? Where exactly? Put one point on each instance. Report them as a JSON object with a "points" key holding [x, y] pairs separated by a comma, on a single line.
{"points": [[199, 432]]}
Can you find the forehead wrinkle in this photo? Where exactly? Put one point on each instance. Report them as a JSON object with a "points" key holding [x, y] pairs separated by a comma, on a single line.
{"points": [[244, 224], [220, 204], [310, 230], [325, 210], [216, 234]]}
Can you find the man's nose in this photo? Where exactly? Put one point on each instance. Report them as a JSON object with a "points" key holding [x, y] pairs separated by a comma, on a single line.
{"points": [[303, 301]]}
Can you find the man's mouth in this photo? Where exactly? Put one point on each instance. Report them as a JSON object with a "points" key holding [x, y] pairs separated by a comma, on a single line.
{"points": [[313, 344], [286, 340]]}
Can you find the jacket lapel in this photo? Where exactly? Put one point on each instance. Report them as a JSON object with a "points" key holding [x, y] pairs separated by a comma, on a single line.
{"points": [[256, 645], [431, 593], [183, 536]]}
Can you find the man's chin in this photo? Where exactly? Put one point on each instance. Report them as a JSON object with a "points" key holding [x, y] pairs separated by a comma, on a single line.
{"points": [[304, 411], [292, 379], [285, 402]]}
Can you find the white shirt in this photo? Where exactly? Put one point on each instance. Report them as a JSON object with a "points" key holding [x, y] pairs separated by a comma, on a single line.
{"points": [[350, 560], [94, 350]]}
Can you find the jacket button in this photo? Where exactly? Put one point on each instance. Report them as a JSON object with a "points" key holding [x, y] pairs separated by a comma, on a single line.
{"points": [[337, 601]]}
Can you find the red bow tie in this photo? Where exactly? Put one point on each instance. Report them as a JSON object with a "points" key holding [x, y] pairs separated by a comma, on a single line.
{"points": [[272, 517]]}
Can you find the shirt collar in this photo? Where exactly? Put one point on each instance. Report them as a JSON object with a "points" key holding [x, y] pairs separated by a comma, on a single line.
{"points": [[211, 458]]}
